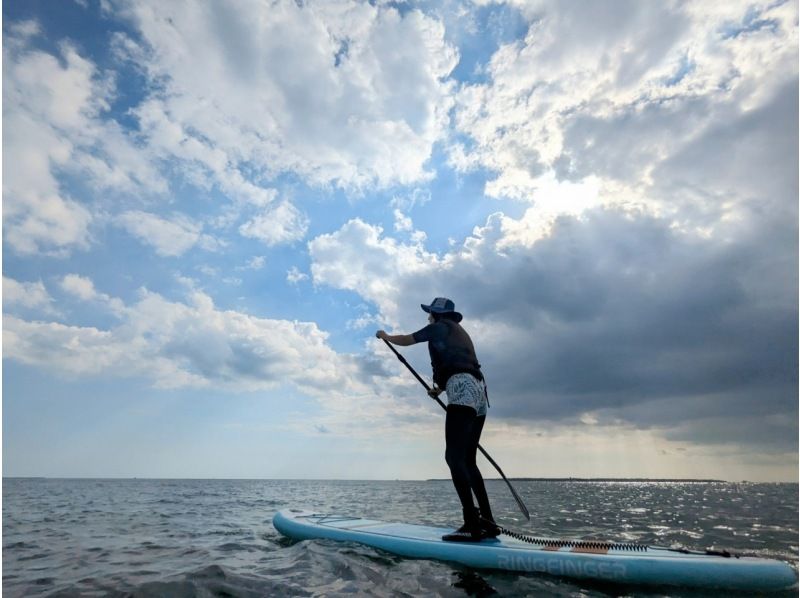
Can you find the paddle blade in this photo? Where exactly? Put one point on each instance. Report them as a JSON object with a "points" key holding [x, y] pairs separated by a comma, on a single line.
{"points": [[521, 504]]}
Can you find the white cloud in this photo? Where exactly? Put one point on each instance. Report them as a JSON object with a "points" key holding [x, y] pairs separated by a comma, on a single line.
{"points": [[282, 223], [79, 286], [72, 349], [36, 214], [195, 344], [179, 344], [256, 262], [204, 163], [294, 275], [358, 258], [344, 93], [613, 91], [82, 288], [402, 222], [28, 295], [169, 237], [417, 197], [53, 106], [364, 320]]}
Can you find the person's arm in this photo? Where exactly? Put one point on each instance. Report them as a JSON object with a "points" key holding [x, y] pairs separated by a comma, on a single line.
{"points": [[401, 340]]}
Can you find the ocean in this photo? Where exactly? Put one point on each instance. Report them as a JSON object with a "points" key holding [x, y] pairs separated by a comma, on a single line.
{"points": [[137, 537]]}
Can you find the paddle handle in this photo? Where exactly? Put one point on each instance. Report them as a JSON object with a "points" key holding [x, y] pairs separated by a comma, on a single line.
{"points": [[516, 496]]}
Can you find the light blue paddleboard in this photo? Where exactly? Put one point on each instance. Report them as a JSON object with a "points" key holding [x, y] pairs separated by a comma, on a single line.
{"points": [[619, 563]]}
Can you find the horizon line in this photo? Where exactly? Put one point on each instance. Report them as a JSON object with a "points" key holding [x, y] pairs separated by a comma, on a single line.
{"points": [[492, 479]]}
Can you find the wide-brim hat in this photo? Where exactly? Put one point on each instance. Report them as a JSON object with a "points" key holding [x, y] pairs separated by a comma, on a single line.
{"points": [[442, 305]]}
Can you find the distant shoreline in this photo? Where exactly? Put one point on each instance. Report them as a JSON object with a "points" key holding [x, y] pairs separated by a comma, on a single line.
{"points": [[672, 480]]}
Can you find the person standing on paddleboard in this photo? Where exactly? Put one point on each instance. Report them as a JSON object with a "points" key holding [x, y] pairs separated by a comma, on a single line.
{"points": [[457, 372]]}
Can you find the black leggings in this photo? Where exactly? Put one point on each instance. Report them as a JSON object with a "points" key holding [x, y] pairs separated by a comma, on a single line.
{"points": [[462, 430]]}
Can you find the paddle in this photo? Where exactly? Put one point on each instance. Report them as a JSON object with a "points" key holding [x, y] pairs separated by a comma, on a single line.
{"points": [[521, 504]]}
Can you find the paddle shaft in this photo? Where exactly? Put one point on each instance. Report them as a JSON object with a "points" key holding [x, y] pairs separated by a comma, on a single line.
{"points": [[516, 496]]}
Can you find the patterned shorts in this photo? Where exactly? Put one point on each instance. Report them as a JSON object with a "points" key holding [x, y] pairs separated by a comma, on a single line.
{"points": [[466, 389]]}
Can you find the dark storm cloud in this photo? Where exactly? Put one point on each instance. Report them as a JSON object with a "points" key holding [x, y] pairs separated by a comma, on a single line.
{"points": [[624, 145], [746, 155], [636, 318], [634, 314]]}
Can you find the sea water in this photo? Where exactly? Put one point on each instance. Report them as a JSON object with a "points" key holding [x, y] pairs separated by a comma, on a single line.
{"points": [[74, 537]]}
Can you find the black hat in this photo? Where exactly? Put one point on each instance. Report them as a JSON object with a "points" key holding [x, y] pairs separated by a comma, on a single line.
{"points": [[442, 305]]}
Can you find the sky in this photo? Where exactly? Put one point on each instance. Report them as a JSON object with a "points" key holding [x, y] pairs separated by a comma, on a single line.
{"points": [[209, 208]]}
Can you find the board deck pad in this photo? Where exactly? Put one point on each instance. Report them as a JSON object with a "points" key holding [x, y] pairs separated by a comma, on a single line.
{"points": [[605, 561]]}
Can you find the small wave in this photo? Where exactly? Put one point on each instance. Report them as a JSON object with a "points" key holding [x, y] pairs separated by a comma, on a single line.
{"points": [[153, 546], [235, 547], [144, 573], [231, 532], [20, 546], [35, 557]]}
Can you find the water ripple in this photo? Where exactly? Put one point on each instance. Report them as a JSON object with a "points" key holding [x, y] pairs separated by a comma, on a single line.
{"points": [[194, 537]]}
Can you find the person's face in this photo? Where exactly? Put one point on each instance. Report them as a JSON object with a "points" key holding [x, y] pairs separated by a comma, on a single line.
{"points": [[430, 319]]}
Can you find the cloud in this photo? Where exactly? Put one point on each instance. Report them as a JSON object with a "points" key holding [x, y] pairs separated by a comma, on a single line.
{"points": [[364, 320], [179, 344], [82, 288], [402, 222], [746, 164], [195, 344], [417, 197], [346, 93], [282, 223], [613, 92], [169, 237], [357, 257], [79, 286], [652, 280], [256, 262], [53, 117], [294, 275], [202, 162], [615, 314], [26, 295], [76, 350]]}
